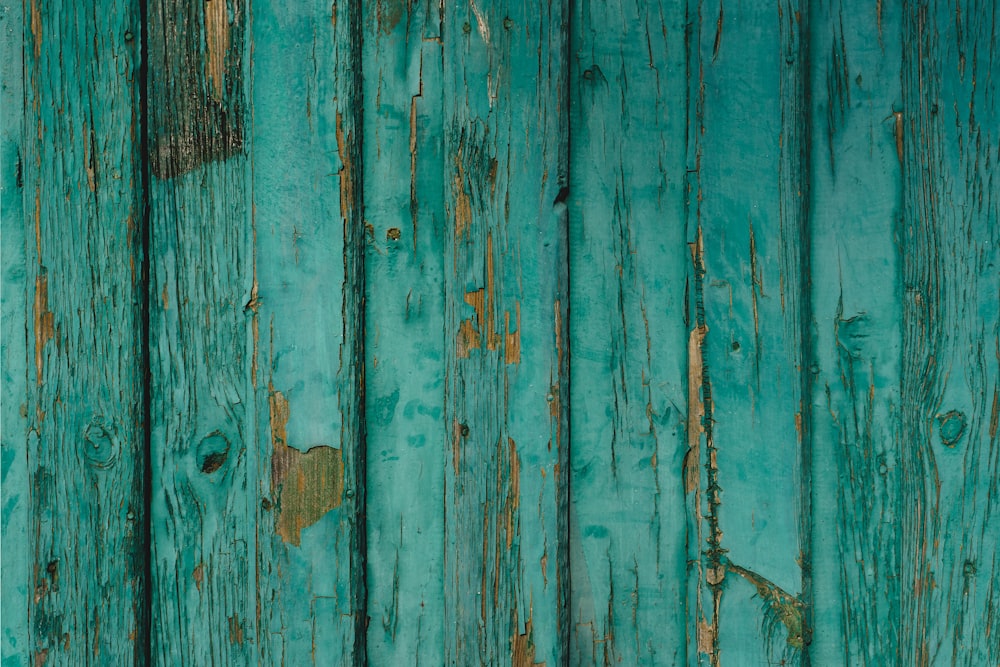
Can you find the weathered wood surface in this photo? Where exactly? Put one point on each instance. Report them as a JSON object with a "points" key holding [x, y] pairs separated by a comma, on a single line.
{"points": [[404, 185], [382, 239], [746, 472], [506, 348], [628, 336], [73, 436], [202, 419]]}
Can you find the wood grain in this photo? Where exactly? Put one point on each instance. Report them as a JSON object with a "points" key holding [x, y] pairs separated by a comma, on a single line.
{"points": [[748, 417], [949, 462], [505, 336], [203, 603], [628, 337], [857, 306], [80, 276], [307, 323], [408, 442]]}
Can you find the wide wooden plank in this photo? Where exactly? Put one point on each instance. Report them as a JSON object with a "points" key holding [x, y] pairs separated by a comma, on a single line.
{"points": [[80, 275], [203, 518], [628, 261], [505, 337], [15, 484], [307, 324], [404, 373], [857, 305], [747, 420], [949, 462]]}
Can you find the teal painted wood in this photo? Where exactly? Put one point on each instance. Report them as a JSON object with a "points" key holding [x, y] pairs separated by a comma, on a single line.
{"points": [[406, 436], [505, 338], [857, 309], [628, 337], [747, 412], [203, 529], [80, 276], [307, 323], [948, 456], [15, 563]]}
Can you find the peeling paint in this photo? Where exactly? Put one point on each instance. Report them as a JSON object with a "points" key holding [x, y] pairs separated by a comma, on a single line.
{"points": [[347, 170], [44, 326], [217, 43], [696, 408], [307, 484]]}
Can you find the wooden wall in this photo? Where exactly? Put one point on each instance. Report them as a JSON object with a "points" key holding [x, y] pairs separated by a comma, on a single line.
{"points": [[650, 332]]}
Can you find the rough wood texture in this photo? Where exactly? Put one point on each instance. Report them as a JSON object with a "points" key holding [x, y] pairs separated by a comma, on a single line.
{"points": [[75, 275], [203, 510], [768, 233], [949, 462], [628, 258], [747, 414], [855, 224], [505, 334], [406, 436], [305, 312]]}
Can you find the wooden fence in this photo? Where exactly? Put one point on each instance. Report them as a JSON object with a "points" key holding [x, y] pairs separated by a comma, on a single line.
{"points": [[481, 332]]}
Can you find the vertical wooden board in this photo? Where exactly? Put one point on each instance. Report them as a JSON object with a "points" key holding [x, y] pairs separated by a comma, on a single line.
{"points": [[949, 460], [628, 262], [306, 327], [82, 284], [505, 337], [406, 434], [747, 421], [857, 306], [200, 279], [14, 480]]}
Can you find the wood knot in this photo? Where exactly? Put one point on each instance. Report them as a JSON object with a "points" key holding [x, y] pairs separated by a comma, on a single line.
{"points": [[101, 444], [951, 427]]}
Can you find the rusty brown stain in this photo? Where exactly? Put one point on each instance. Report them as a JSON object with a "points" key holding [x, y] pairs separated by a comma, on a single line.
{"points": [[41, 657], [216, 43], [165, 296], [512, 341], [44, 327], [994, 415], [706, 637], [198, 574], [696, 408], [523, 648], [899, 134], [388, 17], [456, 444], [514, 491], [36, 28], [346, 172], [307, 484], [235, 630]]}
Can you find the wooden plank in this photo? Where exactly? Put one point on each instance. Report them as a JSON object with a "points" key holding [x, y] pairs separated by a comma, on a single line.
{"points": [[404, 211], [629, 261], [747, 420], [949, 462], [857, 306], [306, 332], [203, 606], [505, 337], [79, 274], [15, 484]]}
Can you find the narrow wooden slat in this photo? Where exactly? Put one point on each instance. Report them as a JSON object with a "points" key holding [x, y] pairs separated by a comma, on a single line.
{"points": [[306, 327], [15, 482], [505, 335], [81, 282], [949, 460], [203, 606], [746, 417], [628, 336], [857, 306], [406, 434]]}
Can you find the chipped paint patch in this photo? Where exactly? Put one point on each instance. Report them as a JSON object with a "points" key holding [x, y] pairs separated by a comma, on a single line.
{"points": [[347, 170], [44, 325], [216, 43], [474, 334], [696, 408], [706, 637], [523, 648], [307, 484]]}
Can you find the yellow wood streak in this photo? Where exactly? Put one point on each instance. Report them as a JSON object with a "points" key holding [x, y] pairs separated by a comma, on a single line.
{"points": [[216, 43]]}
